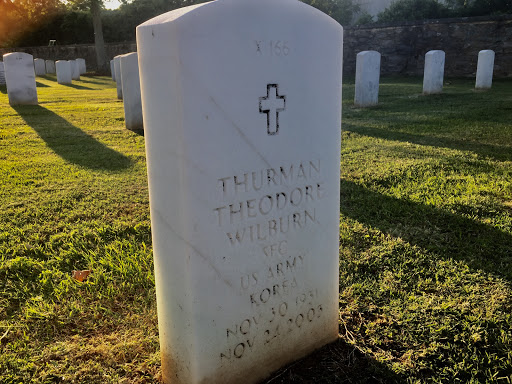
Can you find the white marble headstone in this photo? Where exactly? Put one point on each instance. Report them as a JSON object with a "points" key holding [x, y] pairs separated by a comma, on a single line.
{"points": [[485, 68], [367, 78], [75, 70], [50, 66], [39, 67], [242, 119], [433, 74], [2, 73], [20, 78], [117, 70], [63, 68], [112, 70], [81, 66], [131, 91]]}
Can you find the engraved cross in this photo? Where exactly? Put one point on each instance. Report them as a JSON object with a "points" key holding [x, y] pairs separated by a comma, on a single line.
{"points": [[272, 104]]}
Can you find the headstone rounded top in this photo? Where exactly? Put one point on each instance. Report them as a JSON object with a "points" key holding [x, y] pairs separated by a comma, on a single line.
{"points": [[368, 53], [247, 8], [435, 51], [17, 55]]}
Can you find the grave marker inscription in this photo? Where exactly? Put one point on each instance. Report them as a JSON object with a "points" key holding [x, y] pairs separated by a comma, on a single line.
{"points": [[117, 70], [64, 72], [485, 68], [242, 125], [20, 78], [131, 91], [367, 78], [50, 66], [2, 73], [39, 67], [82, 68], [433, 73], [75, 70], [112, 70]]}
